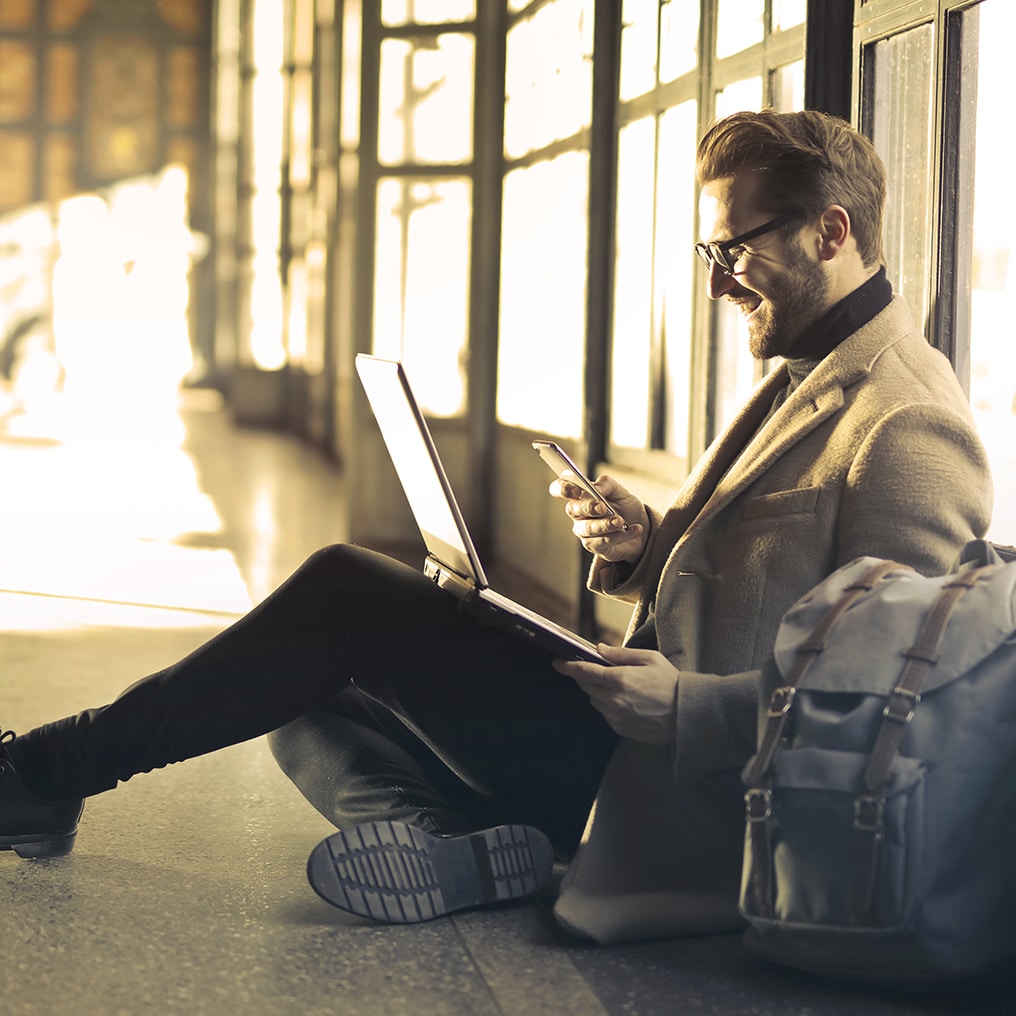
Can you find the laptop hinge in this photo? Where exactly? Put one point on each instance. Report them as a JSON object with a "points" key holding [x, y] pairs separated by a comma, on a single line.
{"points": [[447, 579]]}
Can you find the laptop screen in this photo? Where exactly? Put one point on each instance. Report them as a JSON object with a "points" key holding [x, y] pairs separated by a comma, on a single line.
{"points": [[418, 466]]}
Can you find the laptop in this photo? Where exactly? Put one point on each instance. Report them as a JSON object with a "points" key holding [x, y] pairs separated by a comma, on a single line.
{"points": [[452, 561]]}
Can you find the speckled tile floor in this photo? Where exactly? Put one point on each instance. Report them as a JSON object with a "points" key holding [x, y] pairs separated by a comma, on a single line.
{"points": [[125, 548]]}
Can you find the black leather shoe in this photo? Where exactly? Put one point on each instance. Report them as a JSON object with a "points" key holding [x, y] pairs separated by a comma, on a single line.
{"points": [[398, 873], [33, 826]]}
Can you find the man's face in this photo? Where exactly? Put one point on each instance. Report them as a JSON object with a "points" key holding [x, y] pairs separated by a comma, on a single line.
{"points": [[778, 288]]}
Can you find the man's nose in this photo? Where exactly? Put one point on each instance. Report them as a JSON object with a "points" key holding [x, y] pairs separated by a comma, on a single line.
{"points": [[719, 282]]}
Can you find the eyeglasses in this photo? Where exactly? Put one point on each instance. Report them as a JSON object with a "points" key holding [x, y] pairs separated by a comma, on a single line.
{"points": [[726, 254]]}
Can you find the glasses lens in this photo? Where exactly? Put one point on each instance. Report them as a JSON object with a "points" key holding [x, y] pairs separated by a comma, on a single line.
{"points": [[710, 254], [713, 254]]}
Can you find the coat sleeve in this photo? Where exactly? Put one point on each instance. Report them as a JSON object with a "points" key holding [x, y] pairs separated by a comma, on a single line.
{"points": [[716, 723], [623, 581]]}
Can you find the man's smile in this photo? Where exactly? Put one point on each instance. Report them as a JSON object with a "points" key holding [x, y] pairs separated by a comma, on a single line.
{"points": [[747, 304]]}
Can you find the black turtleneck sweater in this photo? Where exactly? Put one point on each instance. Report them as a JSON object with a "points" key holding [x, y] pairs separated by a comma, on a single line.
{"points": [[822, 336]]}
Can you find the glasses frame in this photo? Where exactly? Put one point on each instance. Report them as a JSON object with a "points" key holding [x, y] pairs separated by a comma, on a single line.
{"points": [[719, 254]]}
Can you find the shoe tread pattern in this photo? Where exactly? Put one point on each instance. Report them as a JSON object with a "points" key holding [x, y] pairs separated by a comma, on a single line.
{"points": [[398, 873]]}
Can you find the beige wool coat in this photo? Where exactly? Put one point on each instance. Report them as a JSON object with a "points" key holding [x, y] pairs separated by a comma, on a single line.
{"points": [[874, 453]]}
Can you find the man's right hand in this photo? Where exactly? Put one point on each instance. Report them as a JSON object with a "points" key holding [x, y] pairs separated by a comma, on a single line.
{"points": [[603, 534]]}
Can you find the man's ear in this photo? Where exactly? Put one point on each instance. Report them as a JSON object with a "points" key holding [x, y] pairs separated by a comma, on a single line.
{"points": [[834, 231]]}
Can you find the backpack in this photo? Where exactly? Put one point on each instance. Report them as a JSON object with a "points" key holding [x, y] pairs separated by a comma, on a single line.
{"points": [[880, 827]]}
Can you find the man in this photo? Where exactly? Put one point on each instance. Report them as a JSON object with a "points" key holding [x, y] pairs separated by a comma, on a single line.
{"points": [[860, 443], [414, 728]]}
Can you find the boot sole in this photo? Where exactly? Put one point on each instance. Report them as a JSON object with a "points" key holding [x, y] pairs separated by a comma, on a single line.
{"points": [[32, 848], [397, 873]]}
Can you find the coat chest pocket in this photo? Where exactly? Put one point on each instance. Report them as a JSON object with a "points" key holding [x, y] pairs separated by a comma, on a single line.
{"points": [[784, 502]]}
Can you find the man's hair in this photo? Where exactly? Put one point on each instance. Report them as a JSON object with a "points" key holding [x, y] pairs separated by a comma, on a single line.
{"points": [[806, 162]]}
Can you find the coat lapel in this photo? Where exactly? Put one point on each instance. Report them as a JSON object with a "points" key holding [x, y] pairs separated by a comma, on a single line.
{"points": [[746, 449], [818, 398]]}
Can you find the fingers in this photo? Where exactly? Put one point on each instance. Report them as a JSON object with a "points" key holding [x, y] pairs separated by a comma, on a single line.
{"points": [[607, 538], [588, 509], [597, 682], [615, 532], [568, 491]]}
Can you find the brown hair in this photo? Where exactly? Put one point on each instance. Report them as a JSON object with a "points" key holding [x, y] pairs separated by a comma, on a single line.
{"points": [[806, 162]]}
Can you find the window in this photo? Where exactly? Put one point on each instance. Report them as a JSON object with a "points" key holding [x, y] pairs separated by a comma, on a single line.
{"points": [[680, 366], [423, 199]]}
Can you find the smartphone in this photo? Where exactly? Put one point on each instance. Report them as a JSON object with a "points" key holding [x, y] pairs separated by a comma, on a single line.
{"points": [[561, 462]]}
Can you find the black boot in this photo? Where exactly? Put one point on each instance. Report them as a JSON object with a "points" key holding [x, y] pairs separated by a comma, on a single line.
{"points": [[399, 874], [30, 825]]}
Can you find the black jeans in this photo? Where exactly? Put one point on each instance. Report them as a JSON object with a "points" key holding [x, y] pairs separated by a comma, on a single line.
{"points": [[392, 703]]}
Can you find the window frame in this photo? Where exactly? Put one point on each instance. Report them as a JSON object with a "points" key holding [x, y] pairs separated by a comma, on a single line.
{"points": [[950, 251]]}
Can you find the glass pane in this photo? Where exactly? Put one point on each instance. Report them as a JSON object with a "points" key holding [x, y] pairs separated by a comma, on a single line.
{"points": [[744, 94], [426, 100], [543, 296], [631, 371], [675, 268], [900, 109], [17, 14], [735, 370], [349, 90], [786, 85], [62, 75], [60, 167], [300, 128], [266, 347], [183, 98], [638, 47], [650, 376], [303, 32], [63, 15], [739, 24], [17, 169], [992, 278], [421, 285], [787, 13], [679, 31], [549, 76], [426, 12], [17, 80]]}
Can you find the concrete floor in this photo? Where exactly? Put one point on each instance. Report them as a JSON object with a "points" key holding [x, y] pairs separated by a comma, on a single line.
{"points": [[125, 548]]}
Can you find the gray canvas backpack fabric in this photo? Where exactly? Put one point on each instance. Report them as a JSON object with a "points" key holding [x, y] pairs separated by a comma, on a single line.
{"points": [[880, 837]]}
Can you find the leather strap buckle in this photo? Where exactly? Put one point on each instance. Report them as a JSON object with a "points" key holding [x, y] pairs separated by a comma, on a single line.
{"points": [[868, 814], [780, 701], [901, 705], [758, 804]]}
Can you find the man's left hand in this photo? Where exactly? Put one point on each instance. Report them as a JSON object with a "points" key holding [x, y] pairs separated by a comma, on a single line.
{"points": [[635, 695]]}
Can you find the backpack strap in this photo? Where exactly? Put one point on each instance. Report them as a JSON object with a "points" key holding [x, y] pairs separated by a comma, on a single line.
{"points": [[898, 712], [782, 698], [758, 798]]}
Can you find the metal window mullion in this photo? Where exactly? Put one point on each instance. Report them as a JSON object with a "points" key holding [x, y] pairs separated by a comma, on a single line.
{"points": [[369, 175], [954, 226], [487, 172], [702, 341], [602, 217]]}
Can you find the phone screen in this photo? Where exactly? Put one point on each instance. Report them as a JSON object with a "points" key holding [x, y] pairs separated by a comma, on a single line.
{"points": [[561, 462]]}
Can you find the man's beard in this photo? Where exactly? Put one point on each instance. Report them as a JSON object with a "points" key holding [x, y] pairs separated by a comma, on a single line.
{"points": [[797, 297]]}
